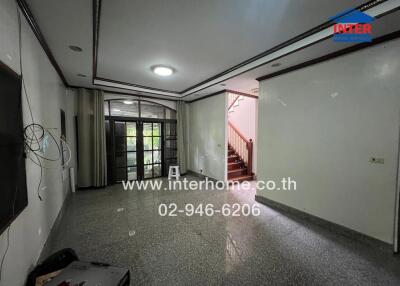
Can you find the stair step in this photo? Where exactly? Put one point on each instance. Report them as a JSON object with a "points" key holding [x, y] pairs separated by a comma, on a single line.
{"points": [[236, 173], [235, 165], [242, 178], [240, 169], [233, 158]]}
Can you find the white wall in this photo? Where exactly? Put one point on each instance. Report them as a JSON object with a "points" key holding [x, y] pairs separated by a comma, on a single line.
{"points": [[244, 117], [321, 124], [207, 136], [47, 95]]}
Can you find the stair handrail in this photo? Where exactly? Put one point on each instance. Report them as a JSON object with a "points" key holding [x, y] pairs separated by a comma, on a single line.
{"points": [[242, 146], [233, 101]]}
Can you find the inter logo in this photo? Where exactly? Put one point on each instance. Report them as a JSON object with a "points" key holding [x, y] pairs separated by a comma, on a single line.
{"points": [[352, 26]]}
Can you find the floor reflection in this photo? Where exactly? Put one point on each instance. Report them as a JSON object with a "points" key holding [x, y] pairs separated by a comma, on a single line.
{"points": [[270, 249]]}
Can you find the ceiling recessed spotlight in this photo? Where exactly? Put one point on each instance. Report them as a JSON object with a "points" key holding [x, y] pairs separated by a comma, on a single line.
{"points": [[275, 65], [81, 75], [116, 110], [76, 48], [162, 70], [128, 102]]}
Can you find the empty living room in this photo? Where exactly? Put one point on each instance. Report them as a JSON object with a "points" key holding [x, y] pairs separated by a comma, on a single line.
{"points": [[185, 142]]}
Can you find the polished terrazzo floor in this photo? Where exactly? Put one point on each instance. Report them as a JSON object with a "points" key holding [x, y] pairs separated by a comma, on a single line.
{"points": [[123, 228]]}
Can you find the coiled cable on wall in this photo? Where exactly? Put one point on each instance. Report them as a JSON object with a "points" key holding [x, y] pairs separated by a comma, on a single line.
{"points": [[35, 135], [35, 138]]}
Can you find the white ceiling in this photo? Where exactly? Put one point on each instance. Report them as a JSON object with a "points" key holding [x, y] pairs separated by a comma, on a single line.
{"points": [[247, 80], [200, 39]]}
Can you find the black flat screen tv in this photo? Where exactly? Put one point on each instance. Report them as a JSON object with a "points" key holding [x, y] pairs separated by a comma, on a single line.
{"points": [[13, 190]]}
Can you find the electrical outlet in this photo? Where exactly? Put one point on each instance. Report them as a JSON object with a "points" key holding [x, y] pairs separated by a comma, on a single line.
{"points": [[377, 160]]}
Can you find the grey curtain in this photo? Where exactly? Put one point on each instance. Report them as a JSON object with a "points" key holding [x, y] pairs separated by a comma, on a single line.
{"points": [[92, 168], [182, 132]]}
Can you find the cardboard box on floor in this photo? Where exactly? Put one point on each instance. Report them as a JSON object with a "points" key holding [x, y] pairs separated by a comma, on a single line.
{"points": [[42, 280]]}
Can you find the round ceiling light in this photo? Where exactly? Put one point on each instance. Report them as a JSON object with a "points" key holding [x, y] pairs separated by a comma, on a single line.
{"points": [[162, 70], [128, 102], [76, 48]]}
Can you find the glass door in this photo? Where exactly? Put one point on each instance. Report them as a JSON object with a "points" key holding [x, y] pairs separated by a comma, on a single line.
{"points": [[170, 145], [152, 150], [136, 148], [125, 151]]}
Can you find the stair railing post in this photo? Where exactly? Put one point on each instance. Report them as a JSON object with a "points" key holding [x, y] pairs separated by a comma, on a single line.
{"points": [[250, 157]]}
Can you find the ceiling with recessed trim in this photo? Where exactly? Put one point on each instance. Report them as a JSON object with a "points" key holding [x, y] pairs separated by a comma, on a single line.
{"points": [[199, 39]]}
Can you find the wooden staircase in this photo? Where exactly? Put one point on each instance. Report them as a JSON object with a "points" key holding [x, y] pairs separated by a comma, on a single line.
{"points": [[237, 169], [240, 149]]}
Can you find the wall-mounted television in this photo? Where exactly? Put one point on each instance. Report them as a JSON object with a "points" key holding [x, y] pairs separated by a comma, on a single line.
{"points": [[13, 190]]}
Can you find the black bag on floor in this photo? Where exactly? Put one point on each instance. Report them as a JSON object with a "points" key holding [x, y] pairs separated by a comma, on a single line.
{"points": [[54, 262]]}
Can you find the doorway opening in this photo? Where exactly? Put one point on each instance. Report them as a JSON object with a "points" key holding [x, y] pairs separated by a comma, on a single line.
{"points": [[242, 136]]}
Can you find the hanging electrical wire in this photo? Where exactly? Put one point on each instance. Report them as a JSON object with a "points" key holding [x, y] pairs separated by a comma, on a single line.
{"points": [[36, 135]]}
